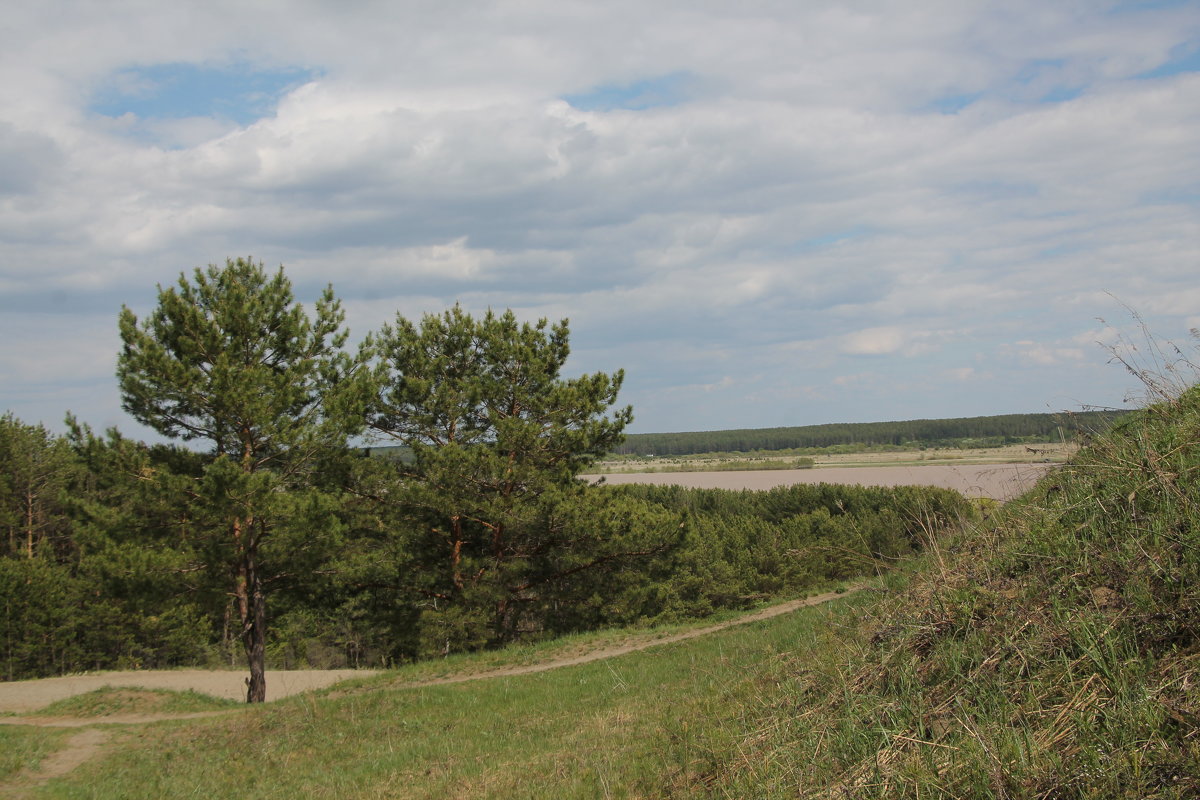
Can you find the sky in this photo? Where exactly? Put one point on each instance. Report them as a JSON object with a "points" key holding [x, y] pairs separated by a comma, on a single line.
{"points": [[766, 213]]}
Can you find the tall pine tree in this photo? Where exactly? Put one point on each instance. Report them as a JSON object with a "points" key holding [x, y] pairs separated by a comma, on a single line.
{"points": [[229, 358]]}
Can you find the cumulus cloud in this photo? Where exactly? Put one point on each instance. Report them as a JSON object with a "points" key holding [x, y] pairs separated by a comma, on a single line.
{"points": [[748, 198]]}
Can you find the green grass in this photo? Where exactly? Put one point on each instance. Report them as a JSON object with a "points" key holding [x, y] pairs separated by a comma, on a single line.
{"points": [[1051, 652], [571, 645], [23, 747], [611, 728], [122, 700]]}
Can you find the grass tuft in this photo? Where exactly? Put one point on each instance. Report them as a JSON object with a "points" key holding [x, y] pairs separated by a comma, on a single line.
{"points": [[110, 700]]}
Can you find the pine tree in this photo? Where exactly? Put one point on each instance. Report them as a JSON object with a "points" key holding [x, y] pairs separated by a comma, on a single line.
{"points": [[36, 468], [229, 358], [497, 440]]}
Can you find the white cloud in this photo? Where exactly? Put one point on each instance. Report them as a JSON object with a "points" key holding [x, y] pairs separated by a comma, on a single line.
{"points": [[837, 183], [874, 341]]}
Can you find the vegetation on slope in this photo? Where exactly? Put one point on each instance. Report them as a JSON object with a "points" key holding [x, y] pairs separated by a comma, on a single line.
{"points": [[1053, 651]]}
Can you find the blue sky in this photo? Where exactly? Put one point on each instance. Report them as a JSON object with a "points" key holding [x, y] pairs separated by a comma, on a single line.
{"points": [[768, 214], [241, 93]]}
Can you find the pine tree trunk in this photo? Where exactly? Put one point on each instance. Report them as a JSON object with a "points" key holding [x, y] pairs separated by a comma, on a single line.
{"points": [[29, 524], [252, 608], [255, 641]]}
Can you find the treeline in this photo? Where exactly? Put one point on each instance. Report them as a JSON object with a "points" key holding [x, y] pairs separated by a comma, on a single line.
{"points": [[990, 431], [739, 547], [270, 540], [111, 561]]}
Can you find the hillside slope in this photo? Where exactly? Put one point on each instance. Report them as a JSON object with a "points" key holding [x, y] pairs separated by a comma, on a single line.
{"points": [[1050, 652]]}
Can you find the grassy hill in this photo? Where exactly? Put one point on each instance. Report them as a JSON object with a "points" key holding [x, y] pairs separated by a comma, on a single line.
{"points": [[1051, 651]]}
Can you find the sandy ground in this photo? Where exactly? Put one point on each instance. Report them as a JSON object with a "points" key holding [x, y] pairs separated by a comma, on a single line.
{"points": [[24, 696], [997, 481]]}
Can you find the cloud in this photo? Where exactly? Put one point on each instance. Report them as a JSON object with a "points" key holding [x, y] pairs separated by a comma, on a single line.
{"points": [[874, 341], [1042, 354], [752, 198], [961, 373]]}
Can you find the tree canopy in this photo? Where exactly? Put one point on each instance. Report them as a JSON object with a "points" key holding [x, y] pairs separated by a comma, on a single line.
{"points": [[497, 437]]}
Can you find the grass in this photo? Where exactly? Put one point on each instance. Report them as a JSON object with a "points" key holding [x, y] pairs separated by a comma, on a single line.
{"points": [[111, 700], [24, 748], [1053, 652], [568, 646], [610, 728]]}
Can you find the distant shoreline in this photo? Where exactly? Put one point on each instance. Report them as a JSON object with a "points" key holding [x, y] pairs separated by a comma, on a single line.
{"points": [[995, 481]]}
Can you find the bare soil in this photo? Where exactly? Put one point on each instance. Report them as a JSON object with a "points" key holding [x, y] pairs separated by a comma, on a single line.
{"points": [[78, 748]]}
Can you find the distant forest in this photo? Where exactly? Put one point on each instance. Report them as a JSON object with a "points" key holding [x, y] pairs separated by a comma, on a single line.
{"points": [[962, 432]]}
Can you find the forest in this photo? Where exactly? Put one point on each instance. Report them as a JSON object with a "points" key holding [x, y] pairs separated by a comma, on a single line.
{"points": [[261, 534]]}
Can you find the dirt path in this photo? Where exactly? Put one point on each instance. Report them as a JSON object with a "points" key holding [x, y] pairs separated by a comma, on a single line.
{"points": [[78, 748], [85, 744], [632, 647]]}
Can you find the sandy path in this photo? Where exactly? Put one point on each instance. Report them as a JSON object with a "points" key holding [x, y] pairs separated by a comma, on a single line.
{"points": [[24, 696], [997, 481]]}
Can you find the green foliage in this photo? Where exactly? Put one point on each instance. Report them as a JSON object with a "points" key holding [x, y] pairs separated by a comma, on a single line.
{"points": [[230, 358], [103, 590], [38, 469], [740, 547], [121, 554], [497, 438]]}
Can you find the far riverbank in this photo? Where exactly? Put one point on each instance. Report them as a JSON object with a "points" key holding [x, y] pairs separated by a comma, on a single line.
{"points": [[995, 481]]}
